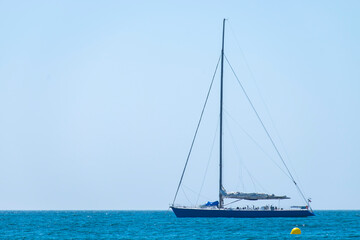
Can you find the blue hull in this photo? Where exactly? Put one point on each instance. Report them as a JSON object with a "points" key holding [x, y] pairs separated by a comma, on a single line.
{"points": [[234, 213]]}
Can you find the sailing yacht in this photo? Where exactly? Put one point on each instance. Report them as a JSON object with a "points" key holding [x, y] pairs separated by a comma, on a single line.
{"points": [[217, 208]]}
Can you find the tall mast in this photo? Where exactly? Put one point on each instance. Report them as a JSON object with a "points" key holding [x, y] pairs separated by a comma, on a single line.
{"points": [[221, 201]]}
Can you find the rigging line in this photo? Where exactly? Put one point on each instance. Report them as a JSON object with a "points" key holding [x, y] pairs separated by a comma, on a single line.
{"points": [[267, 133], [186, 196], [241, 177], [263, 102], [233, 202], [207, 166], [197, 128], [254, 79], [194, 192], [257, 144], [252, 178], [287, 156]]}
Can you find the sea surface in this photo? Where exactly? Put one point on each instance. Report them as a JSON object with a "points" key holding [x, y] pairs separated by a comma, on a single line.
{"points": [[164, 225]]}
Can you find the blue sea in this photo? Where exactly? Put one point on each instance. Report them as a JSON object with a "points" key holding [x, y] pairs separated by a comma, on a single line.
{"points": [[164, 225]]}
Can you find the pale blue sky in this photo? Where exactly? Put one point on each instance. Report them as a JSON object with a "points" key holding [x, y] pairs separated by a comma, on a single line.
{"points": [[99, 99]]}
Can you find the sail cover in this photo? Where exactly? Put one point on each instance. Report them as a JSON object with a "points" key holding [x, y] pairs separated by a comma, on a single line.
{"points": [[251, 196], [211, 204]]}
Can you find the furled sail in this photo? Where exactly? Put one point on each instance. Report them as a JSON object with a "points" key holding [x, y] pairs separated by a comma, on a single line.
{"points": [[251, 196]]}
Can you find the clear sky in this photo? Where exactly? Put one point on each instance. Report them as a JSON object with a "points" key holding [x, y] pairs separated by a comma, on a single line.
{"points": [[99, 100]]}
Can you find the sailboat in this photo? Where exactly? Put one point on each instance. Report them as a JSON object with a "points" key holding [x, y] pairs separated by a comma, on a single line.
{"points": [[217, 208]]}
